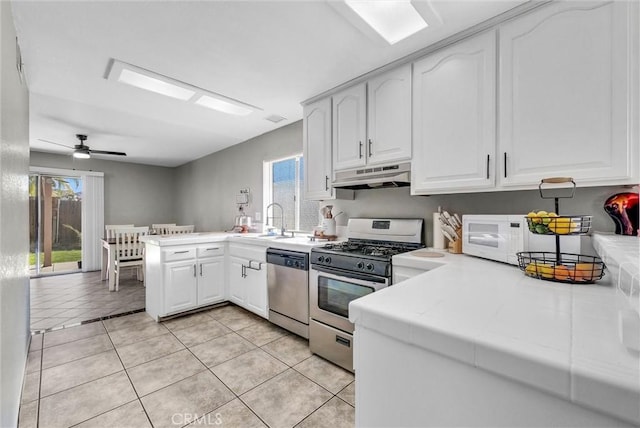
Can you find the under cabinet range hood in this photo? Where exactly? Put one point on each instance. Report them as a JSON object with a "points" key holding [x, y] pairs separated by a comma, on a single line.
{"points": [[375, 177]]}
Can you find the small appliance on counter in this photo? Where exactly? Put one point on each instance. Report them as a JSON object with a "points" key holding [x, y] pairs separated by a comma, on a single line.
{"points": [[243, 223], [327, 227]]}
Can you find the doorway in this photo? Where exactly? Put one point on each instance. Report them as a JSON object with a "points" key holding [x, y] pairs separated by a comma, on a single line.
{"points": [[55, 224]]}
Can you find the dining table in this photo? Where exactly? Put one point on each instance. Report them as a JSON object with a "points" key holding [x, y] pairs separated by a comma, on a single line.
{"points": [[108, 261]]}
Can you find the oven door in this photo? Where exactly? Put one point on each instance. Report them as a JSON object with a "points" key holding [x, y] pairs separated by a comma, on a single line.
{"points": [[331, 291]]}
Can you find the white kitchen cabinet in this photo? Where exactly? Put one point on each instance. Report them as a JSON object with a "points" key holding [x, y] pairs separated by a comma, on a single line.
{"points": [[316, 144], [183, 277], [211, 280], [349, 128], [237, 285], [389, 116], [454, 114], [256, 279], [372, 121], [248, 278], [180, 287], [569, 94]]}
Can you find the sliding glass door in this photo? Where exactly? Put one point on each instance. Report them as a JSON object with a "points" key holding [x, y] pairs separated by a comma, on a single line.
{"points": [[55, 219]]}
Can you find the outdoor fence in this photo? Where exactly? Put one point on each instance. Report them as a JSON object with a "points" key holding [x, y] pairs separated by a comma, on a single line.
{"points": [[65, 212]]}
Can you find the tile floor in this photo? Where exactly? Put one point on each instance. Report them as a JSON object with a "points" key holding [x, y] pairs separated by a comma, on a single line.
{"points": [[65, 300], [223, 367]]}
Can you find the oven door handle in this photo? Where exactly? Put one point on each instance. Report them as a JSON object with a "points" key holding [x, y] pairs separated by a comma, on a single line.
{"points": [[352, 275]]}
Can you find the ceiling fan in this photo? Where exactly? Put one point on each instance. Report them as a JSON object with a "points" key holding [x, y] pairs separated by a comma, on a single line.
{"points": [[82, 151]]}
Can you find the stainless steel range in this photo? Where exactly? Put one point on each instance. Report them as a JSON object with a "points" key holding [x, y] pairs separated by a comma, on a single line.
{"points": [[343, 272]]}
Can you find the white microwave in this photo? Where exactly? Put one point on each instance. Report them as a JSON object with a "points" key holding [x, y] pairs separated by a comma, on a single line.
{"points": [[500, 237]]}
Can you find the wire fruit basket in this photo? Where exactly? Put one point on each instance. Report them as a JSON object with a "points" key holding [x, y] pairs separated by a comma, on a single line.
{"points": [[571, 268], [558, 266], [559, 225]]}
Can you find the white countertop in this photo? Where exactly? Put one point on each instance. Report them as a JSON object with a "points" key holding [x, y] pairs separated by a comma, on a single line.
{"points": [[561, 338], [298, 243]]}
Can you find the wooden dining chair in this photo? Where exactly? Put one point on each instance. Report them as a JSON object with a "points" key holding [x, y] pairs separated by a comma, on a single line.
{"points": [[161, 229], [109, 229], [129, 251], [172, 230]]}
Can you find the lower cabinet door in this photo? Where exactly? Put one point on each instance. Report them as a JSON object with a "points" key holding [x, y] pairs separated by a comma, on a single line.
{"points": [[237, 281], [181, 291], [257, 291], [210, 280]]}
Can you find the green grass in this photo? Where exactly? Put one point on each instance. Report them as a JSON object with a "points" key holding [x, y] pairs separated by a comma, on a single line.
{"points": [[58, 256]]}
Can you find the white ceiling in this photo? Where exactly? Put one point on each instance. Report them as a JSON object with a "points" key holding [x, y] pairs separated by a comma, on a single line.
{"points": [[271, 54]]}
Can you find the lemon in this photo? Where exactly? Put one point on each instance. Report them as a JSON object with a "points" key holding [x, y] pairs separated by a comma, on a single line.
{"points": [[539, 269], [562, 225]]}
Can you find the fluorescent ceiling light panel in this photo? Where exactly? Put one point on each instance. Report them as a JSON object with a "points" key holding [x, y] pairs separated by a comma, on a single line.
{"points": [[139, 77], [223, 106], [153, 84], [394, 20]]}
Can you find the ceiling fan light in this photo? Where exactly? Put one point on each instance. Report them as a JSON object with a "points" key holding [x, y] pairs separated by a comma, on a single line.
{"points": [[79, 154]]}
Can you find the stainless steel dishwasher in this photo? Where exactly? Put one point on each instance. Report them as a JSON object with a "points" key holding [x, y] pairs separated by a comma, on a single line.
{"points": [[288, 285]]}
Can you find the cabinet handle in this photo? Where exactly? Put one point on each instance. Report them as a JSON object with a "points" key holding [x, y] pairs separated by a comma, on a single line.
{"points": [[505, 164], [488, 157], [370, 149], [200, 269], [181, 252], [212, 249], [194, 270], [360, 149], [326, 181], [244, 271]]}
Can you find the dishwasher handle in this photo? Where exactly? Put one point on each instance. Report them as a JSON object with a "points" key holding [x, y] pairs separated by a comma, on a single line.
{"points": [[289, 259]]}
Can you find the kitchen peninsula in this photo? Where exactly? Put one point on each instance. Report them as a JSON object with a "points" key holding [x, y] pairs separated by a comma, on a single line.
{"points": [[195, 270], [477, 343]]}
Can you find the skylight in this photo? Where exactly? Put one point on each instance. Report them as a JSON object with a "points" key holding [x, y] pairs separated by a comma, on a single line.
{"points": [[394, 20]]}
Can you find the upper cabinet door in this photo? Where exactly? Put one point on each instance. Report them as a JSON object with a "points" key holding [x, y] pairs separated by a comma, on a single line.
{"points": [[349, 128], [569, 93], [454, 118], [317, 150], [389, 116]]}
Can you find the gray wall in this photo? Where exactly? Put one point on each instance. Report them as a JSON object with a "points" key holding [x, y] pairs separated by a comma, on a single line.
{"points": [[398, 203], [137, 194], [207, 187], [14, 225]]}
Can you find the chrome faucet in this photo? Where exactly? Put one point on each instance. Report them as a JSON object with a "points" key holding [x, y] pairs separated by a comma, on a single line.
{"points": [[282, 230]]}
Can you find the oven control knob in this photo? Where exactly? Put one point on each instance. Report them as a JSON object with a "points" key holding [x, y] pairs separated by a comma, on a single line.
{"points": [[328, 260], [370, 266], [360, 265], [321, 259], [297, 264]]}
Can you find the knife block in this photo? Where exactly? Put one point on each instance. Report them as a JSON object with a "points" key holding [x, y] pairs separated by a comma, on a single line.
{"points": [[455, 247]]}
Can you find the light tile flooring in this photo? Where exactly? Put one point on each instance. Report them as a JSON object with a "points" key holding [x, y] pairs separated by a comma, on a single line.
{"points": [[223, 367], [65, 300]]}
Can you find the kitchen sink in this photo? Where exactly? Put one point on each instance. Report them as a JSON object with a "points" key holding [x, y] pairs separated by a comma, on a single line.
{"points": [[275, 237]]}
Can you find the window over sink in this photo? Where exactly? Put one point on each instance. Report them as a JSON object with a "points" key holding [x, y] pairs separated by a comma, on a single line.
{"points": [[284, 185]]}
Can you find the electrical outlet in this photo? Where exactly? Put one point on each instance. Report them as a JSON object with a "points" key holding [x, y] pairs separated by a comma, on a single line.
{"points": [[258, 216]]}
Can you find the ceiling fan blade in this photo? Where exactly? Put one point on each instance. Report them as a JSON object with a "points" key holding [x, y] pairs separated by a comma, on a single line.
{"points": [[57, 144], [104, 152]]}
